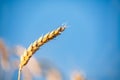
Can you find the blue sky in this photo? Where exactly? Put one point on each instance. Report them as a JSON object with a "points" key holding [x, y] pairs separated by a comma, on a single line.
{"points": [[90, 43]]}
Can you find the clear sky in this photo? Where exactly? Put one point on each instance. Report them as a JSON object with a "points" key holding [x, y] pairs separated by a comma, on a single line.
{"points": [[90, 43]]}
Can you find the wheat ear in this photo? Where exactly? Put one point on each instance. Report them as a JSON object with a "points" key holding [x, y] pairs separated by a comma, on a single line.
{"points": [[35, 46]]}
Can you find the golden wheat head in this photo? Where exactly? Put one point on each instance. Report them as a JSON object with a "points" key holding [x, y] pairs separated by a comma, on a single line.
{"points": [[36, 45]]}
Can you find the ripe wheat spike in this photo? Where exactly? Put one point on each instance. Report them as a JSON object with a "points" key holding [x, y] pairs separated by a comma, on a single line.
{"points": [[37, 44]]}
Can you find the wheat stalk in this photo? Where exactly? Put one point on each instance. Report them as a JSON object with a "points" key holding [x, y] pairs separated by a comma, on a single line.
{"points": [[36, 45]]}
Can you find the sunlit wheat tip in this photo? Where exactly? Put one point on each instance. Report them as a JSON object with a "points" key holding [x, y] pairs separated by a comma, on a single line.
{"points": [[38, 43]]}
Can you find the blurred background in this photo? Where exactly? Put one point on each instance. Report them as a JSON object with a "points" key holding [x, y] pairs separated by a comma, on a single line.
{"points": [[89, 49]]}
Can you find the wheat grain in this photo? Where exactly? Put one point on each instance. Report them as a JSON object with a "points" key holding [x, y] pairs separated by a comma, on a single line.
{"points": [[35, 46]]}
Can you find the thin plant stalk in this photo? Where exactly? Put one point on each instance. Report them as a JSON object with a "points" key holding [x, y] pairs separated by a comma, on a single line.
{"points": [[19, 73]]}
